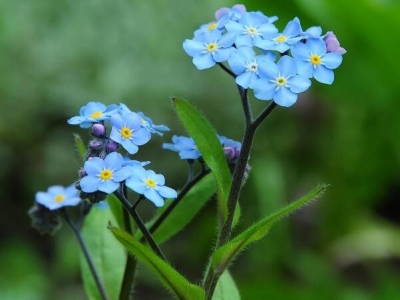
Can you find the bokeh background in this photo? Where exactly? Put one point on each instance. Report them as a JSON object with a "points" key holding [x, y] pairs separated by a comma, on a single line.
{"points": [[55, 56]]}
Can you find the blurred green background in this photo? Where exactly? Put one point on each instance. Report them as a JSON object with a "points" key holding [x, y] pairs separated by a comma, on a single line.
{"points": [[55, 56]]}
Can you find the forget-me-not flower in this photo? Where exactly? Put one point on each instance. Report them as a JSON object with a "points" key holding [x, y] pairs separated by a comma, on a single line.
{"points": [[58, 196], [151, 185], [93, 112], [244, 63], [313, 60], [104, 175], [280, 82], [127, 130], [185, 146], [213, 47], [251, 29]]}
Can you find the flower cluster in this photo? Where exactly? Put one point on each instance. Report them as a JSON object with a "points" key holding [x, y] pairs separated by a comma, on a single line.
{"points": [[105, 169], [276, 65]]}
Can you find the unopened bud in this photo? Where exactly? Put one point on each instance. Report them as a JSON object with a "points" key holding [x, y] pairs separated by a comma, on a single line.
{"points": [[98, 130]]}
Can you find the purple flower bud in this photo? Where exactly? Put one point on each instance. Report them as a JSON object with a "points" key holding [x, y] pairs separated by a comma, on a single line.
{"points": [[237, 9], [332, 43], [98, 130], [229, 153], [95, 145], [111, 146]]}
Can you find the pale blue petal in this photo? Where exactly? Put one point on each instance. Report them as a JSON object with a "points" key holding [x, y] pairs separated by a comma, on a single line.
{"points": [[203, 61], [55, 190], [72, 201], [268, 69], [298, 84], [116, 136], [108, 186], [287, 66], [76, 120], [141, 136], [300, 52], [114, 161], [246, 79], [305, 68], [129, 146], [167, 192], [223, 54], [93, 107], [292, 28], [233, 26], [193, 48], [237, 63], [158, 178], [243, 40], [154, 197], [316, 46], [94, 166], [135, 184], [284, 97], [133, 120], [267, 30], [264, 89], [323, 75], [332, 60], [122, 174], [117, 120], [227, 40], [89, 184]]}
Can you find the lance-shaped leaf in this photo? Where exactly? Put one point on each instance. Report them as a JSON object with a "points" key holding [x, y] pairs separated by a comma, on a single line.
{"points": [[209, 145], [80, 147], [225, 254], [226, 288], [107, 255], [116, 209], [178, 285]]}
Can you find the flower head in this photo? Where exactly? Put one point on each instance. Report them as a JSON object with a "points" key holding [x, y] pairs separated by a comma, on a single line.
{"points": [[313, 60], [58, 196], [127, 130], [104, 175], [151, 185], [251, 29], [93, 112], [280, 82], [213, 47], [244, 63], [185, 146]]}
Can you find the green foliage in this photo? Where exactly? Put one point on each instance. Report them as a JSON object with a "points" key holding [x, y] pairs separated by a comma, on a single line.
{"points": [[186, 210], [225, 254], [179, 286], [108, 256], [80, 147], [210, 148], [226, 288]]}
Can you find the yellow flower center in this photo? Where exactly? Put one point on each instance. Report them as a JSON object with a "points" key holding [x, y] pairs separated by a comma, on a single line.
{"points": [[150, 183], [212, 26], [280, 81], [106, 174], [126, 132], [315, 59], [211, 47], [96, 114], [59, 198], [281, 39]]}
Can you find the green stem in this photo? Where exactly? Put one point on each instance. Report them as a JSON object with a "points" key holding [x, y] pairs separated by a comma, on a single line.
{"points": [[86, 254], [147, 235]]}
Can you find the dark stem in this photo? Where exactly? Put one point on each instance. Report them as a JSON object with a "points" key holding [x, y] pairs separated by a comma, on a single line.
{"points": [[126, 291], [227, 70], [246, 106], [86, 254], [147, 235]]}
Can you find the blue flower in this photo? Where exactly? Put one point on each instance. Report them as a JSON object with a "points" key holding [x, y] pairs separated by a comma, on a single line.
{"points": [[251, 29], [127, 130], [282, 42], [185, 146], [93, 112], [313, 60], [151, 185], [280, 82], [215, 25], [211, 48], [104, 175], [146, 121], [244, 63], [58, 196]]}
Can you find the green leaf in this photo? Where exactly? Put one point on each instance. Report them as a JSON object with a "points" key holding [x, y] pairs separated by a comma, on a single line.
{"points": [[107, 254], [80, 146], [180, 287], [210, 148], [226, 288], [186, 210], [116, 209], [225, 254]]}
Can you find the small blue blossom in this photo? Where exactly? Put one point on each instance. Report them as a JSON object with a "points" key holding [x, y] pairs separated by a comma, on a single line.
{"points": [[58, 196], [313, 60], [146, 121], [104, 175], [134, 163], [127, 130], [282, 42], [93, 112], [244, 63], [252, 29], [185, 146], [214, 47], [233, 13], [215, 25], [151, 185], [280, 82]]}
